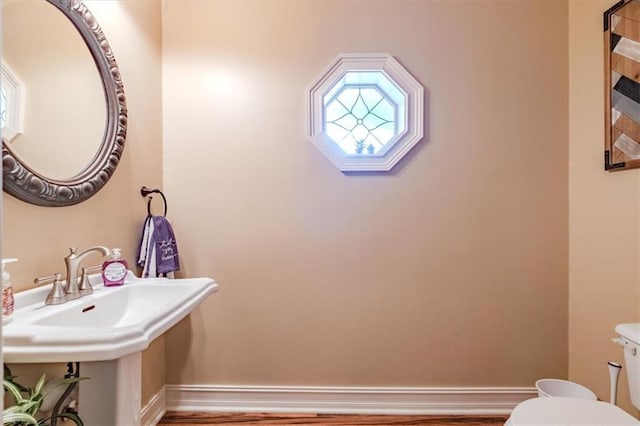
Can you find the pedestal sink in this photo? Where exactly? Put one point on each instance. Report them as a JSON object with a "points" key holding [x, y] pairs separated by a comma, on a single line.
{"points": [[106, 332]]}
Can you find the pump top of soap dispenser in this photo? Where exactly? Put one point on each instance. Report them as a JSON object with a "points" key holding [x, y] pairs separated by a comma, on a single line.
{"points": [[5, 275]]}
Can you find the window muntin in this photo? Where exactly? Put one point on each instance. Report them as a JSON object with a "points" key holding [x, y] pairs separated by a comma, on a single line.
{"points": [[363, 112]]}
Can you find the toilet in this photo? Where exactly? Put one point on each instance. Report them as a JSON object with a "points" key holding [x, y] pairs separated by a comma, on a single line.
{"points": [[557, 410]]}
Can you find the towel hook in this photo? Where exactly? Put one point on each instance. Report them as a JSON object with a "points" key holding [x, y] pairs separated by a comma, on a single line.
{"points": [[144, 191]]}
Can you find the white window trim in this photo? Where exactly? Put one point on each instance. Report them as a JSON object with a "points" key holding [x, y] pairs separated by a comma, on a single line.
{"points": [[414, 111], [15, 104]]}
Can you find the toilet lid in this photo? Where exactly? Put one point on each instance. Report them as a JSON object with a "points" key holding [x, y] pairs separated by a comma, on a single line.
{"points": [[569, 411]]}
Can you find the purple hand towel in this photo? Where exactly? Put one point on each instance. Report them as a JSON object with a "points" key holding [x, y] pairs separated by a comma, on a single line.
{"points": [[164, 243]]}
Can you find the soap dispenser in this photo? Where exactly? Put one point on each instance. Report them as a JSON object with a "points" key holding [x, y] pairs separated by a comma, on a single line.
{"points": [[7, 293], [114, 269]]}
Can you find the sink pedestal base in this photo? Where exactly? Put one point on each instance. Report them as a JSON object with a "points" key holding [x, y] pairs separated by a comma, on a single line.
{"points": [[111, 396]]}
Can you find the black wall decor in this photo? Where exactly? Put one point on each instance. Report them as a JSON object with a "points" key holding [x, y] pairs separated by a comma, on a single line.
{"points": [[622, 85]]}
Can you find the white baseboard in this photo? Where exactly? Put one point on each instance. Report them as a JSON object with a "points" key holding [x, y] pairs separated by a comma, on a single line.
{"points": [[151, 413], [346, 400]]}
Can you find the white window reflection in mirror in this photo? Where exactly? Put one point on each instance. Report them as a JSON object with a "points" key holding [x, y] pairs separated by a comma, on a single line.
{"points": [[11, 104]]}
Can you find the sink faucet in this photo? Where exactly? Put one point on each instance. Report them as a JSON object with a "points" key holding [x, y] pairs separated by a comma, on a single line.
{"points": [[73, 263]]}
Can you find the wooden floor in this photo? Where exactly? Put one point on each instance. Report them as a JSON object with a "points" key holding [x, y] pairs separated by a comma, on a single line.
{"points": [[193, 419]]}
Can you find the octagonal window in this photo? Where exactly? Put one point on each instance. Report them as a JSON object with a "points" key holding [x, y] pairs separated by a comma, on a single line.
{"points": [[365, 112]]}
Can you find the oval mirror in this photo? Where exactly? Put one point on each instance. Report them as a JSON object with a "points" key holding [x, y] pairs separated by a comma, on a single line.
{"points": [[63, 112]]}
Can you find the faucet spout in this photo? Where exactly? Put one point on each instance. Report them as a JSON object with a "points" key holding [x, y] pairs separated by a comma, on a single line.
{"points": [[72, 262]]}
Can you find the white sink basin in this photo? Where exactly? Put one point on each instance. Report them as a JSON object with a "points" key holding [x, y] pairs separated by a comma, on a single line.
{"points": [[110, 323]]}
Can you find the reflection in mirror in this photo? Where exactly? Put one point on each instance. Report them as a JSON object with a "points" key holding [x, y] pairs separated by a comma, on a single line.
{"points": [[11, 104], [75, 113], [65, 106]]}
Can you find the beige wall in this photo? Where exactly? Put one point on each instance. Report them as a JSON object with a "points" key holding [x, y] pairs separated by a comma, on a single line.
{"points": [[604, 263], [451, 270], [40, 237], [458, 258]]}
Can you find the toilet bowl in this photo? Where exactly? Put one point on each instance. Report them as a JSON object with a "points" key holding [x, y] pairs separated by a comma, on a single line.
{"points": [[556, 410], [557, 387]]}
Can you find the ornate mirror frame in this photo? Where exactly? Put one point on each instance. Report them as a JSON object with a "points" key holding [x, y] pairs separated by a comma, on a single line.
{"points": [[27, 184], [622, 85]]}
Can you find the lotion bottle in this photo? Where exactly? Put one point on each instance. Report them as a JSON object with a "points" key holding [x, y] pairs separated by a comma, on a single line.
{"points": [[114, 269], [7, 293]]}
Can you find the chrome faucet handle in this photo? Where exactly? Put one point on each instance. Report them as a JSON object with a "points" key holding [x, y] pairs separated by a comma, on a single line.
{"points": [[85, 285], [72, 262], [57, 294]]}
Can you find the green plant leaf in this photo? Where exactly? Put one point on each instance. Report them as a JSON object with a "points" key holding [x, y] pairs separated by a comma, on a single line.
{"points": [[40, 384], [32, 406], [14, 391], [67, 381], [12, 415], [28, 402], [8, 375], [22, 389], [73, 380]]}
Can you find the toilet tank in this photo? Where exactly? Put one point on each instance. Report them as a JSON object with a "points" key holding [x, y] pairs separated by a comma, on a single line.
{"points": [[630, 340]]}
